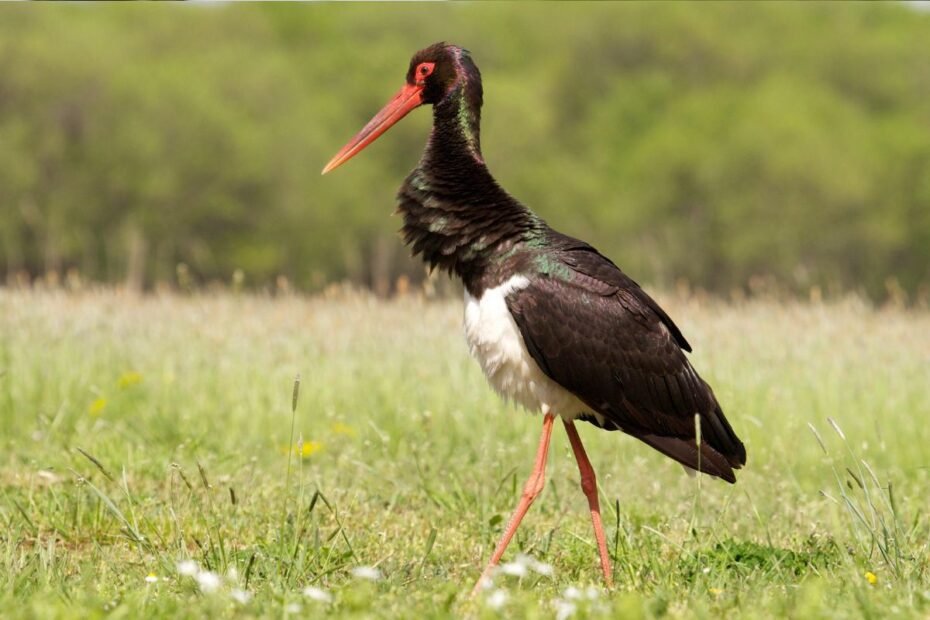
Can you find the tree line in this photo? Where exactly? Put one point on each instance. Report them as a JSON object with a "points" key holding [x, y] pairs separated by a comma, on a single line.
{"points": [[720, 145]]}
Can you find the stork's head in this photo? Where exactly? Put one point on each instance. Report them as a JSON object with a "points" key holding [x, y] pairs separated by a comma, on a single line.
{"points": [[435, 73]]}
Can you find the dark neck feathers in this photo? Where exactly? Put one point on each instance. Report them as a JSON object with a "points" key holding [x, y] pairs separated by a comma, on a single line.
{"points": [[455, 214]]}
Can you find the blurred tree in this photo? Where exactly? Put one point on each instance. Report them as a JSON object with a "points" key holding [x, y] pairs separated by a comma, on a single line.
{"points": [[713, 143]]}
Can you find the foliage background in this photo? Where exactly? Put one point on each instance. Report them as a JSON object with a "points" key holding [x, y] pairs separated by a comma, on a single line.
{"points": [[723, 144]]}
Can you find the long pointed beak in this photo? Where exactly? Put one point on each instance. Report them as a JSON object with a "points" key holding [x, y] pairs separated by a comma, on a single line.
{"points": [[409, 97]]}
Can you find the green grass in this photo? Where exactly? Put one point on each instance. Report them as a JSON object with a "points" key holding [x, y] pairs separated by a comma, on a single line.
{"points": [[141, 432]]}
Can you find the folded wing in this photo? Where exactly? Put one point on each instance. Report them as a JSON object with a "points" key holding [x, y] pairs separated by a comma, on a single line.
{"points": [[598, 334]]}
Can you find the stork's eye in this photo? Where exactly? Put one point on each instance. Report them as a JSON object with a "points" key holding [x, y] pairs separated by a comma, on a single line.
{"points": [[424, 69]]}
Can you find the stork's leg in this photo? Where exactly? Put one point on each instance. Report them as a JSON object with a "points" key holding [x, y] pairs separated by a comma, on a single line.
{"points": [[589, 486], [532, 488]]}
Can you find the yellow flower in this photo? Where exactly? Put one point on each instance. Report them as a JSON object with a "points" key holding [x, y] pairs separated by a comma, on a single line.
{"points": [[305, 449], [308, 448], [715, 591], [128, 379], [343, 429], [97, 407], [871, 577]]}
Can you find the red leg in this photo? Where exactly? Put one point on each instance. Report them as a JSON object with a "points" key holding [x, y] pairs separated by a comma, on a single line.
{"points": [[532, 488], [589, 486]]}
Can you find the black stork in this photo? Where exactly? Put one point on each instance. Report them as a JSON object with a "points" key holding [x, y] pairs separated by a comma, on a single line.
{"points": [[555, 325]]}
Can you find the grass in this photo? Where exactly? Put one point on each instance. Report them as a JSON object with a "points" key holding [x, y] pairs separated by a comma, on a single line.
{"points": [[142, 433]]}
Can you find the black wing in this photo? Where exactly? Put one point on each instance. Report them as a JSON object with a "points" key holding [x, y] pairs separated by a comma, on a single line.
{"points": [[598, 334]]}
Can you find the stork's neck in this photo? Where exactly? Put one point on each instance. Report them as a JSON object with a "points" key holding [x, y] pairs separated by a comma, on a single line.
{"points": [[457, 125], [455, 213]]}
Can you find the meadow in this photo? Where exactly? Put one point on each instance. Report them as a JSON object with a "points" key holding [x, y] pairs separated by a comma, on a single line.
{"points": [[159, 461]]}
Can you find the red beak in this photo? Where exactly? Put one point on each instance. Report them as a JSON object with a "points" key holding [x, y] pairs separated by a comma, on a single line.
{"points": [[409, 97]]}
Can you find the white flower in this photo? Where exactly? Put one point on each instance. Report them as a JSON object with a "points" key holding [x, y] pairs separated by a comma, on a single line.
{"points": [[485, 583], [208, 581], [240, 596], [572, 593], [592, 593], [232, 574], [188, 568], [293, 608], [497, 599], [151, 578], [518, 568], [564, 609], [366, 572], [318, 594], [514, 569]]}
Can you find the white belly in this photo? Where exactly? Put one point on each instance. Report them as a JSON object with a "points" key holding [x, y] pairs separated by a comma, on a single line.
{"points": [[495, 341]]}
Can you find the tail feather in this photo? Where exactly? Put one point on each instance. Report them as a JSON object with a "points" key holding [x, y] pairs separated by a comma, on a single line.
{"points": [[708, 460], [716, 430]]}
